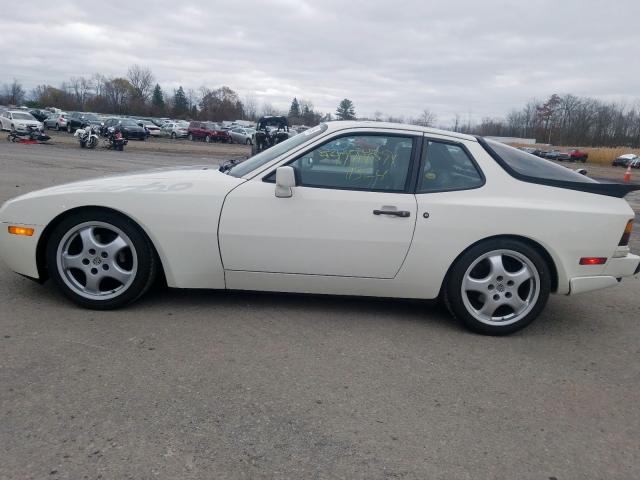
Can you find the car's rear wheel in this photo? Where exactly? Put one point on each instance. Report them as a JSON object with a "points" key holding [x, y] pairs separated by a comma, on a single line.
{"points": [[100, 259], [248, 142], [69, 129], [207, 139], [173, 135], [191, 137], [498, 287]]}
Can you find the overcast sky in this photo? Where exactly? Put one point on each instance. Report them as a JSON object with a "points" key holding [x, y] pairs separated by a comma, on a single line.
{"points": [[481, 58]]}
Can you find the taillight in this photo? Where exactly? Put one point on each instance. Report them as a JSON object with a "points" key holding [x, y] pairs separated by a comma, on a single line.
{"points": [[624, 240]]}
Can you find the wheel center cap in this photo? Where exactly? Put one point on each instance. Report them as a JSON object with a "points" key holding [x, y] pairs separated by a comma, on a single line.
{"points": [[97, 261], [500, 287]]}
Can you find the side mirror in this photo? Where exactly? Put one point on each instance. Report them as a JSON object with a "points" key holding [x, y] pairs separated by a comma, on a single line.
{"points": [[285, 181]]}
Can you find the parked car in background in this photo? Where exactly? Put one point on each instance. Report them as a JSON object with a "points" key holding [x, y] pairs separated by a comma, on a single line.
{"points": [[39, 115], [152, 129], [18, 120], [57, 121], [128, 126], [207, 131], [242, 135], [551, 154], [174, 130], [76, 120], [624, 160], [574, 155]]}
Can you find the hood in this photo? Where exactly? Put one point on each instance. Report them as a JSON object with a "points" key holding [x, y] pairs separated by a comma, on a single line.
{"points": [[169, 180], [21, 121]]}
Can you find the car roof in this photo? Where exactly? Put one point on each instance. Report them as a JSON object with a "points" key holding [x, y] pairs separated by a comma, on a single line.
{"points": [[344, 124]]}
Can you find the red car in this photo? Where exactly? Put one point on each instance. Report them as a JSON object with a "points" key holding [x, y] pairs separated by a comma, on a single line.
{"points": [[207, 131], [574, 155]]}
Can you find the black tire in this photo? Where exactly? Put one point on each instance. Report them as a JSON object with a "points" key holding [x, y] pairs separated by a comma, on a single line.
{"points": [[173, 135], [82, 145], [57, 127], [207, 139], [120, 148], [191, 137], [69, 129], [248, 142], [453, 296], [93, 143], [148, 263]]}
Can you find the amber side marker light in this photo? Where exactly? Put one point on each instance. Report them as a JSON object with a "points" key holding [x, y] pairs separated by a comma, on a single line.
{"points": [[624, 241], [593, 260], [24, 231]]}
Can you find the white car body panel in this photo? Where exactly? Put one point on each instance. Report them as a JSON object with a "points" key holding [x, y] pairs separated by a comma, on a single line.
{"points": [[161, 202], [328, 240], [334, 233]]}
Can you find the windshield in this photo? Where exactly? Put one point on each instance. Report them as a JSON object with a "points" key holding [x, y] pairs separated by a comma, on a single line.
{"points": [[266, 156], [129, 123], [531, 166], [23, 116], [90, 117]]}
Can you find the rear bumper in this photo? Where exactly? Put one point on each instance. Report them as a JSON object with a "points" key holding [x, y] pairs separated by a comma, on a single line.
{"points": [[615, 270]]}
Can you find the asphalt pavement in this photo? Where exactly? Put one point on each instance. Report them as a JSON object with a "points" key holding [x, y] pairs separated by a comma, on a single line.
{"points": [[213, 385]]}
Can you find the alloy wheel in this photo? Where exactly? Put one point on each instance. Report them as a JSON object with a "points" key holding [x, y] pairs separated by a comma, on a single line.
{"points": [[97, 260], [500, 287]]}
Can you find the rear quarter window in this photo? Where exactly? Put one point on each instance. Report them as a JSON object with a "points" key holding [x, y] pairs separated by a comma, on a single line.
{"points": [[527, 165]]}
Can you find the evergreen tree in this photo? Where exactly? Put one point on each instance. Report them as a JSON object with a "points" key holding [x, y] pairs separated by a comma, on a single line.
{"points": [[157, 100], [180, 103], [294, 110], [346, 110]]}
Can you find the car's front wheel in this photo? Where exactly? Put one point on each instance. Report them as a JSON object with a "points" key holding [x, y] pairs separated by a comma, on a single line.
{"points": [[100, 259], [498, 287]]}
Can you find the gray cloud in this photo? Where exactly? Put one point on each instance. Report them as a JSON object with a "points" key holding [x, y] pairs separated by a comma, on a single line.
{"points": [[465, 57]]}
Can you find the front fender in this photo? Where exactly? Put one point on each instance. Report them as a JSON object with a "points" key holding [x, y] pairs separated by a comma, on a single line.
{"points": [[178, 212]]}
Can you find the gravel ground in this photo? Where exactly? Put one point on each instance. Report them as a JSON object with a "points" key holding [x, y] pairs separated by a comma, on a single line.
{"points": [[201, 385]]}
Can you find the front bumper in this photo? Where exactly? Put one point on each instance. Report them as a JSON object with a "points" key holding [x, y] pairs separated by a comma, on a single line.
{"points": [[615, 270]]}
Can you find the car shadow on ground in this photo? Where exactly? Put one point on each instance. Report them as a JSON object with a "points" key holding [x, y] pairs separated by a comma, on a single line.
{"points": [[560, 318]]}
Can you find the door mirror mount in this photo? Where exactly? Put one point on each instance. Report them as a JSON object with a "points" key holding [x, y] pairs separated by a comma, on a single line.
{"points": [[285, 181]]}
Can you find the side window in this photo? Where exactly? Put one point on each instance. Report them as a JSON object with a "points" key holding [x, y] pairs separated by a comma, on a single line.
{"points": [[447, 166], [358, 162]]}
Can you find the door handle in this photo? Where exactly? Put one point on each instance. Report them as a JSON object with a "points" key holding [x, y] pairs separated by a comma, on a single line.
{"points": [[395, 213]]}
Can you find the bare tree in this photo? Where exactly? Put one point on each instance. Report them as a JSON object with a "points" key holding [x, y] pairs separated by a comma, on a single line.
{"points": [[427, 118], [268, 109], [80, 88], [141, 80], [250, 105], [13, 94]]}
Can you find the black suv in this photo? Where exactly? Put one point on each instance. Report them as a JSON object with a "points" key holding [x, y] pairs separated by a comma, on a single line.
{"points": [[270, 131], [130, 128], [77, 120]]}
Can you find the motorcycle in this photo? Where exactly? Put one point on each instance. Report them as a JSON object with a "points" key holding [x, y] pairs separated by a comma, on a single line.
{"points": [[87, 136], [31, 134], [113, 139]]}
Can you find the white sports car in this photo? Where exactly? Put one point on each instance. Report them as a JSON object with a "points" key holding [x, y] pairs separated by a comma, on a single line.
{"points": [[345, 208]]}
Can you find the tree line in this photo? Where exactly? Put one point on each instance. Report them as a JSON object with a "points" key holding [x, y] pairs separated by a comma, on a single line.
{"points": [[137, 93], [568, 120], [560, 119]]}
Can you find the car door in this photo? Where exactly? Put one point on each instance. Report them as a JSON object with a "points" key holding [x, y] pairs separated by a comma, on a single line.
{"points": [[351, 213]]}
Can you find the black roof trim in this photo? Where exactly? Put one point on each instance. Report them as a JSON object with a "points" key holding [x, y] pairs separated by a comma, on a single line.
{"points": [[618, 190]]}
